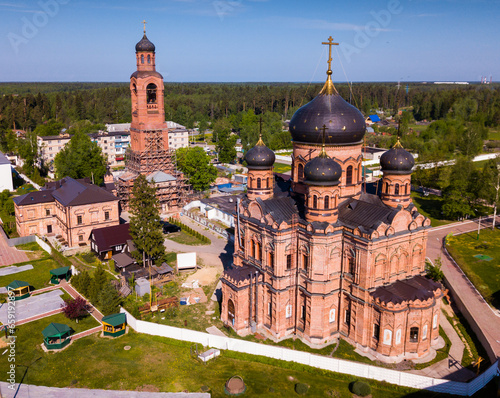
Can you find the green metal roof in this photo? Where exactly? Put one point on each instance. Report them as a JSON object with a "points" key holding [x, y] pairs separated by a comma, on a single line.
{"points": [[115, 319], [56, 330], [15, 284], [60, 271]]}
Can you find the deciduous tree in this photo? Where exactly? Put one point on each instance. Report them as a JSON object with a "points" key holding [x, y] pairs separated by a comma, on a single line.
{"points": [[81, 158], [195, 164]]}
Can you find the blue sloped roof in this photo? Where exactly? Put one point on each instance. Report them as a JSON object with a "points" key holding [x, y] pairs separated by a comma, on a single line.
{"points": [[374, 118]]}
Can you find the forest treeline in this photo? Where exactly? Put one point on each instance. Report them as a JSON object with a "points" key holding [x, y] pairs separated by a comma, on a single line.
{"points": [[25, 105]]}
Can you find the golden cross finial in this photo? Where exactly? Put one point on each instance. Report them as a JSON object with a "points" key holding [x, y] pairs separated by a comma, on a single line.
{"points": [[330, 43], [144, 22], [323, 151]]}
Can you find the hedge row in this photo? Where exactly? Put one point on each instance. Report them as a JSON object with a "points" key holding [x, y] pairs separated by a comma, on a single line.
{"points": [[189, 230]]}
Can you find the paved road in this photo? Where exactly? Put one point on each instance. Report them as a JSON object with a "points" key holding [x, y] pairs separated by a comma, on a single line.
{"points": [[218, 254], [486, 317], [10, 255]]}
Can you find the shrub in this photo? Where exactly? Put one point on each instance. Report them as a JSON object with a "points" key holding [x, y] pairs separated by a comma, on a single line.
{"points": [[301, 388], [75, 308], [361, 388]]}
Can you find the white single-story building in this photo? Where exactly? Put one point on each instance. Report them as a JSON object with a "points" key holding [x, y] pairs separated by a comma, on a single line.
{"points": [[5, 173]]}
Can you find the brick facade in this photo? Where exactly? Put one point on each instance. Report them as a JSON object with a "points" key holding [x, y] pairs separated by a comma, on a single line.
{"points": [[70, 209], [320, 259]]}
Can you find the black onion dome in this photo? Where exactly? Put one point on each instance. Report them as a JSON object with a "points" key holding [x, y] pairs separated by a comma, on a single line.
{"points": [[260, 157], [397, 160], [144, 45], [344, 123], [322, 170]]}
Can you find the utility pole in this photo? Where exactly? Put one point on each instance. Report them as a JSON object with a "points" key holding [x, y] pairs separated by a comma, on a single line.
{"points": [[478, 228], [496, 197]]}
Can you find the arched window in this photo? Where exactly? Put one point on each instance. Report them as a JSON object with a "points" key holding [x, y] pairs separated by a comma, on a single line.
{"points": [[348, 175], [386, 187], [327, 202], [230, 311], [315, 202], [305, 260], [406, 189], [396, 189], [151, 93], [414, 335], [268, 182], [271, 259], [149, 58], [259, 183], [253, 249], [142, 58], [300, 171]]}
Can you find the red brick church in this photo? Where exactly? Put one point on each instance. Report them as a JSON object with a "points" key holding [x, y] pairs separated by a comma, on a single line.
{"points": [[319, 258]]}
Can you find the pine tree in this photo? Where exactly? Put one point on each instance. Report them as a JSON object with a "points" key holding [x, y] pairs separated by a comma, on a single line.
{"points": [[97, 285], [109, 300], [145, 222]]}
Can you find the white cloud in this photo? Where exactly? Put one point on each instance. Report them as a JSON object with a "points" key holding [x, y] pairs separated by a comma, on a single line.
{"points": [[322, 24]]}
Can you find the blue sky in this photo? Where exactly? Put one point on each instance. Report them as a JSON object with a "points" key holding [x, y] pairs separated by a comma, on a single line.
{"points": [[251, 40]]}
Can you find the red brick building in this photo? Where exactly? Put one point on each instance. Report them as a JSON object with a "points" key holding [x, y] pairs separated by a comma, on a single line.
{"points": [[68, 208], [319, 258]]}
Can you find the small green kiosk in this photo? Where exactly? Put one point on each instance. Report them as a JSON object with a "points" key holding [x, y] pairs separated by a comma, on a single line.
{"points": [[21, 289], [56, 336], [114, 325], [59, 273]]}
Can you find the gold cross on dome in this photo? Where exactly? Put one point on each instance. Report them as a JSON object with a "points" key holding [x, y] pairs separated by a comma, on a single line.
{"points": [[330, 43], [144, 22]]}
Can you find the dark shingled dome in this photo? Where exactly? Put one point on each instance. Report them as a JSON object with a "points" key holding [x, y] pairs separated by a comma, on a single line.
{"points": [[144, 45], [344, 123], [260, 157], [323, 171], [397, 161]]}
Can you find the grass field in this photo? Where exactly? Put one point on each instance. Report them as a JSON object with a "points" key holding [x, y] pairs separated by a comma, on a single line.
{"points": [[161, 364], [494, 135], [282, 168], [185, 239], [485, 275], [430, 206], [38, 277]]}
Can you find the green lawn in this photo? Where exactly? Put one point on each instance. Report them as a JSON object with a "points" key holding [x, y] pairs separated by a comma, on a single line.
{"points": [[160, 364], [430, 206], [38, 277], [185, 239], [494, 135], [282, 168], [29, 336], [485, 275]]}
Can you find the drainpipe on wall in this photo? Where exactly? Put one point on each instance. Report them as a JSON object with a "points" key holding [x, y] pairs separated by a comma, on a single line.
{"points": [[256, 297]]}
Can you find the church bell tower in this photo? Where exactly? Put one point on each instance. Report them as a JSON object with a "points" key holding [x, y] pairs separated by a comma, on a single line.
{"points": [[148, 130]]}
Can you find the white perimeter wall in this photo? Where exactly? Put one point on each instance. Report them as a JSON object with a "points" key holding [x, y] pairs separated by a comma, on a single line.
{"points": [[321, 362]]}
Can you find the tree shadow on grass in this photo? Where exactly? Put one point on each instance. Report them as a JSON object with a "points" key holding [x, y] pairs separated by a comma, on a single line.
{"points": [[431, 206]]}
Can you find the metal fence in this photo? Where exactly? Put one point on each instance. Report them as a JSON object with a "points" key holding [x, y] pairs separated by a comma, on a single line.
{"points": [[317, 361]]}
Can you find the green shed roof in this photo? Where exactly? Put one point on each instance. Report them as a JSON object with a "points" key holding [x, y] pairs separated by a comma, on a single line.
{"points": [[56, 330], [15, 284], [60, 271], [115, 319]]}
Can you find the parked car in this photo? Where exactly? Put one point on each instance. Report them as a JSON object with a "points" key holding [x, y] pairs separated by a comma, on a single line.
{"points": [[169, 227]]}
